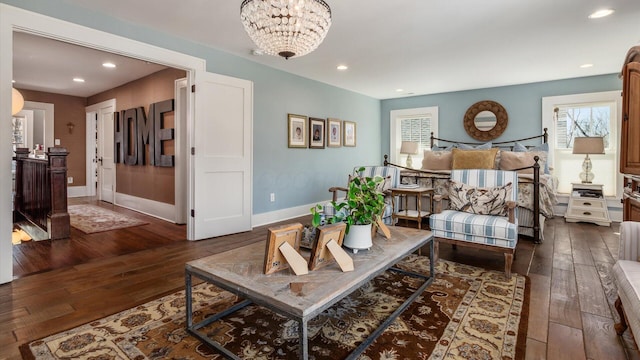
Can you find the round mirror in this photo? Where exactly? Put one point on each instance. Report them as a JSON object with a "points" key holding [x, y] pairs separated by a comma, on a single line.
{"points": [[485, 120]]}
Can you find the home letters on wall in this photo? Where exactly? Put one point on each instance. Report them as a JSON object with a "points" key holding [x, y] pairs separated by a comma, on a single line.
{"points": [[134, 130]]}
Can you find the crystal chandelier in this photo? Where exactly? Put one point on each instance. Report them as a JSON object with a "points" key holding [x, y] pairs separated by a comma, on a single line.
{"points": [[286, 28]]}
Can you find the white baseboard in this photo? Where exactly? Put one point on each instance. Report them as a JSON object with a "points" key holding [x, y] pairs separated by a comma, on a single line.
{"points": [[283, 214], [76, 191], [153, 208]]}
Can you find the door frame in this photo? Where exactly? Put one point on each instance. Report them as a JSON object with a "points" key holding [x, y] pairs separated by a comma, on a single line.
{"points": [[16, 19], [91, 145]]}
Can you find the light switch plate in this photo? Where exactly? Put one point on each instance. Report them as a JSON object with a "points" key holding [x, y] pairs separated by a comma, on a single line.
{"points": [[56, 142]]}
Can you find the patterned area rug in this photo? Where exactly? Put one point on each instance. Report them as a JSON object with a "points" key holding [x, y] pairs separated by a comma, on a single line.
{"points": [[467, 313], [93, 219]]}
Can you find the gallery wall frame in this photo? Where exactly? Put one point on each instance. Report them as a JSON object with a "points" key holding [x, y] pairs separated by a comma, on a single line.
{"points": [[297, 131], [334, 133], [349, 133], [316, 133]]}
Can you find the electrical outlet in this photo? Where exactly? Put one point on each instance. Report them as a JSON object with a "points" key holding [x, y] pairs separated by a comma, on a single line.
{"points": [[56, 142], [70, 180], [272, 197]]}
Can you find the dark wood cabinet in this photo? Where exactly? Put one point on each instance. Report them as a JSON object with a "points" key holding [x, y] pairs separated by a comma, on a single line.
{"points": [[630, 141], [629, 145]]}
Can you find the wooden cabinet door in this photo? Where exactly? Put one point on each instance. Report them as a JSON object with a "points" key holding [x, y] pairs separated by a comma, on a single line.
{"points": [[630, 144]]}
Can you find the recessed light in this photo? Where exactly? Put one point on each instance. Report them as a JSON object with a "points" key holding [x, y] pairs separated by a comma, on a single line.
{"points": [[79, 80], [13, 81], [109, 65], [601, 13], [584, 66], [342, 67], [399, 90]]}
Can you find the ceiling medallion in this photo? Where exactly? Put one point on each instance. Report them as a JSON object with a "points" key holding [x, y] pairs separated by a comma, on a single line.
{"points": [[286, 28]]}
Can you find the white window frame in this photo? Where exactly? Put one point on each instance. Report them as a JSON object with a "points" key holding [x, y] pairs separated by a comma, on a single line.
{"points": [[548, 105], [396, 135]]}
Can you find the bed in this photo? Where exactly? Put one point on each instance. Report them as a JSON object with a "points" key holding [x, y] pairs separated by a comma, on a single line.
{"points": [[536, 186]]}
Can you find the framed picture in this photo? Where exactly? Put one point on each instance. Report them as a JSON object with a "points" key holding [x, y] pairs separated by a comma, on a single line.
{"points": [[334, 133], [316, 133], [320, 254], [349, 132], [273, 258], [297, 133]]}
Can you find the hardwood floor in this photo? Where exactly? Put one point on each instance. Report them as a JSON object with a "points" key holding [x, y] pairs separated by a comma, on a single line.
{"points": [[89, 277]]}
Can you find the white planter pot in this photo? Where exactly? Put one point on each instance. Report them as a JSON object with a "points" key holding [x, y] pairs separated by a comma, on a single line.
{"points": [[358, 238]]}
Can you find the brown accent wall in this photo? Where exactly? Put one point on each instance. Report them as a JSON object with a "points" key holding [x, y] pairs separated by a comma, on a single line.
{"points": [[67, 109], [148, 182]]}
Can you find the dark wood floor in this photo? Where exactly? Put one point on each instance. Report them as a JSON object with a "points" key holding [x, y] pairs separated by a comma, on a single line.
{"points": [[90, 276]]}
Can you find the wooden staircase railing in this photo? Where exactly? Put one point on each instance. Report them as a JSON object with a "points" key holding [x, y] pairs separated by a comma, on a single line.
{"points": [[41, 191]]}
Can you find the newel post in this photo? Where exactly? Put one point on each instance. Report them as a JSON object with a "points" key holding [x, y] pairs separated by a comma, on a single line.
{"points": [[58, 222]]}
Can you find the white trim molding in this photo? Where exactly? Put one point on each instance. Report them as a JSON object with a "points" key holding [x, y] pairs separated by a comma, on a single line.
{"points": [[153, 208]]}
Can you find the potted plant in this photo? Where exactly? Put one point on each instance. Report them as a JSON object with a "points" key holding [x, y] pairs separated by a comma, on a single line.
{"points": [[362, 207]]}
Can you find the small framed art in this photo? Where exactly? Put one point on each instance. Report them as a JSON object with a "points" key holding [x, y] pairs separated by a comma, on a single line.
{"points": [[334, 133], [316, 133], [320, 254], [297, 133], [274, 260], [349, 132]]}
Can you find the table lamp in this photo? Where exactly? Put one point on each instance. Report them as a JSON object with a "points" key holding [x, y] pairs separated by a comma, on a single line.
{"points": [[587, 145], [409, 148]]}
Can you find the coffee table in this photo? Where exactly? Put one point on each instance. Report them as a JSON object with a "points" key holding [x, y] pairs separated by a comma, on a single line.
{"points": [[301, 298]]}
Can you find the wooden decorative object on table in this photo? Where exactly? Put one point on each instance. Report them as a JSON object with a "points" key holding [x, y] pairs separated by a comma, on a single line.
{"points": [[321, 255], [274, 259]]}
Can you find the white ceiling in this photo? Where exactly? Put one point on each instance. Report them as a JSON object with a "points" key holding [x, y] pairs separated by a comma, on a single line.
{"points": [[420, 46]]}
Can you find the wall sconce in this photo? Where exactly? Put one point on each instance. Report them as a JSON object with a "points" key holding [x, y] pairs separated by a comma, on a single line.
{"points": [[70, 126], [17, 101]]}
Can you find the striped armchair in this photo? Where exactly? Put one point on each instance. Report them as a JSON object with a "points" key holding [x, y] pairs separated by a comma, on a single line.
{"points": [[392, 179], [626, 273], [468, 226]]}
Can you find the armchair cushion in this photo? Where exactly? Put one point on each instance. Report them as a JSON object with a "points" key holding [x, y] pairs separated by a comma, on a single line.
{"points": [[477, 200], [481, 229]]}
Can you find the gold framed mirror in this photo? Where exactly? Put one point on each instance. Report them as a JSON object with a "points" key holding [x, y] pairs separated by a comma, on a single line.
{"points": [[485, 120]]}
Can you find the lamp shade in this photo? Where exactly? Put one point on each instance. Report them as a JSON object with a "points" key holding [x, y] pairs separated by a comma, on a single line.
{"points": [[588, 145], [409, 147], [17, 101]]}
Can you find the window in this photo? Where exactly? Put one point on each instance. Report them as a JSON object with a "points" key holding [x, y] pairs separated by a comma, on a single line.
{"points": [[412, 125], [571, 116]]}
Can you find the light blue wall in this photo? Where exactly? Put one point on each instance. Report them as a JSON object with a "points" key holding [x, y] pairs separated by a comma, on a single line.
{"points": [[522, 102], [296, 176]]}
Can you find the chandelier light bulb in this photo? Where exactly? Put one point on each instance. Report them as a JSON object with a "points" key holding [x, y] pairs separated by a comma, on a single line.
{"points": [[286, 28]]}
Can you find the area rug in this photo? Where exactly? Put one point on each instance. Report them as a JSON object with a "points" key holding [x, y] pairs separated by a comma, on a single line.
{"points": [[467, 313], [93, 219]]}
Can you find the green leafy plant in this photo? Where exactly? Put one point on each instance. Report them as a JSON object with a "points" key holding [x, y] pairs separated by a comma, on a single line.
{"points": [[363, 205]]}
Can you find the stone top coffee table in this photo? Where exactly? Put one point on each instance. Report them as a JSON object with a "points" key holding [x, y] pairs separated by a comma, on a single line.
{"points": [[240, 271]]}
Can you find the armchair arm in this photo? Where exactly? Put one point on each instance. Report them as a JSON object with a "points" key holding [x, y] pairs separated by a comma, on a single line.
{"points": [[437, 203], [511, 212], [335, 190], [629, 240]]}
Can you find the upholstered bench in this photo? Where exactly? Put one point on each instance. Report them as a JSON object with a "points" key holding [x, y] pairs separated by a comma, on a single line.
{"points": [[626, 274]]}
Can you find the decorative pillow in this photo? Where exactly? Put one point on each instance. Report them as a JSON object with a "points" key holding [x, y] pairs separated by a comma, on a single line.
{"points": [[511, 160], [518, 147], [474, 159], [485, 146], [437, 160], [481, 201], [440, 148]]}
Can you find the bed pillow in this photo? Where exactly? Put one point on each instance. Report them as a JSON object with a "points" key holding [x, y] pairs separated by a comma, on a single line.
{"points": [[437, 160], [474, 159], [441, 148], [518, 147], [480, 201], [484, 146], [511, 160]]}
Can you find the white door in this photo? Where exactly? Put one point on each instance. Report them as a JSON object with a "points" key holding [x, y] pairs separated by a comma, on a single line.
{"points": [[222, 156], [106, 166]]}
